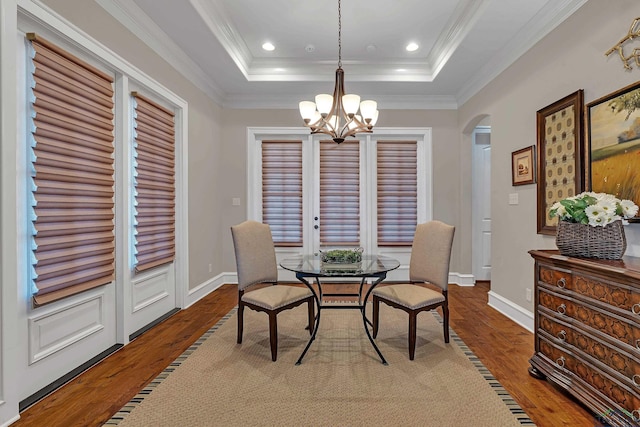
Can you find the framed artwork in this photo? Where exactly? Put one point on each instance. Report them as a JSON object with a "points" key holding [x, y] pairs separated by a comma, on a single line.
{"points": [[560, 170], [523, 170], [613, 124]]}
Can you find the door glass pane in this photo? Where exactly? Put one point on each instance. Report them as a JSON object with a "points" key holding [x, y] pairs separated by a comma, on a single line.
{"points": [[340, 193]]}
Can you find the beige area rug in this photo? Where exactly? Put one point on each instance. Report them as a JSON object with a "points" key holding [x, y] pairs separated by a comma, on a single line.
{"points": [[341, 381]]}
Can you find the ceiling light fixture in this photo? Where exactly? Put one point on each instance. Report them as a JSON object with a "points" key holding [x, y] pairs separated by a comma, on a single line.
{"points": [[268, 46], [412, 47], [337, 115]]}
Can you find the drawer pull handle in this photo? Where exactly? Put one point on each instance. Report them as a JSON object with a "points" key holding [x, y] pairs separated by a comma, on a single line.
{"points": [[635, 309], [638, 344], [636, 415], [562, 283], [562, 335], [560, 361], [636, 380], [562, 309]]}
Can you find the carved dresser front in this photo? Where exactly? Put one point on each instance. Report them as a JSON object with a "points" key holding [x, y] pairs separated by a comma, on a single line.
{"points": [[587, 332]]}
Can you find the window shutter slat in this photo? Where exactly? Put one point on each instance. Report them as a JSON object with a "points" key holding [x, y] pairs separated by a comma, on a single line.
{"points": [[282, 191], [154, 184], [340, 193], [73, 182], [397, 191]]}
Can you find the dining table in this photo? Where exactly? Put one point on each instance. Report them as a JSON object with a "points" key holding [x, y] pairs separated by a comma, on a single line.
{"points": [[310, 269]]}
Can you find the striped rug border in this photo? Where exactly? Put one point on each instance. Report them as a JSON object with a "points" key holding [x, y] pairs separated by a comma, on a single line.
{"points": [[506, 398]]}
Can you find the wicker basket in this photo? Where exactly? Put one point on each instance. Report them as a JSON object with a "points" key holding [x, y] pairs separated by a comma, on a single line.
{"points": [[583, 240]]}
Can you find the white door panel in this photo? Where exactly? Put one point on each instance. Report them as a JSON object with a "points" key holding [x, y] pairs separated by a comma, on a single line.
{"points": [[481, 203]]}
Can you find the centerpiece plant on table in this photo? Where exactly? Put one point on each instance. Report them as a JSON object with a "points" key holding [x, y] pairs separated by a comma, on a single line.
{"points": [[591, 225]]}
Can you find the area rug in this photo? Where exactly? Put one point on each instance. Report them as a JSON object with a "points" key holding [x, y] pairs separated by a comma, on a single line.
{"points": [[341, 381]]}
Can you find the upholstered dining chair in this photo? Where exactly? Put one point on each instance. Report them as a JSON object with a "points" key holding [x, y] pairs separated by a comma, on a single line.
{"points": [[256, 264], [430, 257]]}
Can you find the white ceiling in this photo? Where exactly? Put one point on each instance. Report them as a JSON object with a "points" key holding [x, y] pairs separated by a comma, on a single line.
{"points": [[463, 45]]}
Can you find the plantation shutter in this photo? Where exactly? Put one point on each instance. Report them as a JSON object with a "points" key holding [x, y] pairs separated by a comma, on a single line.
{"points": [[340, 193], [397, 192], [73, 174], [282, 191], [154, 184]]}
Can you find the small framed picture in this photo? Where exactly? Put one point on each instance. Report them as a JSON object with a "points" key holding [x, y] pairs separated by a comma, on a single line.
{"points": [[523, 166]]}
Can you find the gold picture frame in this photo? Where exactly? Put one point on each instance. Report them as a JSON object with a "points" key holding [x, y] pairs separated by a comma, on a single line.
{"points": [[614, 144], [560, 136], [523, 166]]}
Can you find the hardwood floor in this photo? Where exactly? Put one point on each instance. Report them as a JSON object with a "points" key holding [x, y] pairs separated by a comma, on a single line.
{"points": [[503, 346]]}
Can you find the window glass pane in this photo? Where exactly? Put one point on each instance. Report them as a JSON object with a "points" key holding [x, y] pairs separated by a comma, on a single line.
{"points": [[397, 192], [340, 193], [282, 191]]}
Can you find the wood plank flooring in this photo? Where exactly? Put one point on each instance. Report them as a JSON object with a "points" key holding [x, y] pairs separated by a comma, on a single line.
{"points": [[503, 346]]}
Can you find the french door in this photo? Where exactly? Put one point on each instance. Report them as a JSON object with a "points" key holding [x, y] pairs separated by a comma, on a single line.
{"points": [[367, 192]]}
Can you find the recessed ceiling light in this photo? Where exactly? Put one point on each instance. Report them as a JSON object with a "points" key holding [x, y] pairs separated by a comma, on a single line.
{"points": [[268, 46], [411, 47]]}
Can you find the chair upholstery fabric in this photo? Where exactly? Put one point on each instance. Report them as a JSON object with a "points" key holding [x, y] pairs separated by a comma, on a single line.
{"points": [[256, 264], [430, 258], [255, 254]]}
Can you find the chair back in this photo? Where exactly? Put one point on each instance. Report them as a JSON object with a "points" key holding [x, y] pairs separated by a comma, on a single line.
{"points": [[431, 253], [255, 254]]}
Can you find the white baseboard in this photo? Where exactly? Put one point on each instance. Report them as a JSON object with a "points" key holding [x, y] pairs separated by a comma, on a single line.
{"points": [[202, 290], [461, 279], [513, 311]]}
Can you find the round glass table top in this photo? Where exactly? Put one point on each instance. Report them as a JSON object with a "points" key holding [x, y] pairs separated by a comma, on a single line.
{"points": [[312, 265]]}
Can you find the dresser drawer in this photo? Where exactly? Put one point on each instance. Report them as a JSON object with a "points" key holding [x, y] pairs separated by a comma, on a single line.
{"points": [[577, 370], [623, 364], [554, 277], [594, 318], [622, 297]]}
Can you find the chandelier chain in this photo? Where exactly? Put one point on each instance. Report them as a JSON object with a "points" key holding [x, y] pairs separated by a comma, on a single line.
{"points": [[339, 35]]}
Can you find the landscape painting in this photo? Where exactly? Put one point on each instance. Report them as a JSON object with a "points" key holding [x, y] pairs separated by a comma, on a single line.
{"points": [[614, 144]]}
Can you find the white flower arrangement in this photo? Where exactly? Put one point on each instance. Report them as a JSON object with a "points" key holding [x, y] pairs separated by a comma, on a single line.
{"points": [[595, 209]]}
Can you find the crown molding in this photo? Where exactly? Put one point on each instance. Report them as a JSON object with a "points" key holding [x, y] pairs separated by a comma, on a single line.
{"points": [[462, 21], [547, 19], [135, 20]]}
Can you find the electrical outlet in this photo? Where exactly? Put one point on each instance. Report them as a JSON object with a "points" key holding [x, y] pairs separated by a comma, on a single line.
{"points": [[528, 296], [210, 268]]}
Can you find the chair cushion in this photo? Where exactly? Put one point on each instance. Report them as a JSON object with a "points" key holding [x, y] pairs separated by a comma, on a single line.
{"points": [[410, 296], [274, 297]]}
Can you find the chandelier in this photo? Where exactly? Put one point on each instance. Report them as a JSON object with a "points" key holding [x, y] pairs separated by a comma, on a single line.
{"points": [[337, 115]]}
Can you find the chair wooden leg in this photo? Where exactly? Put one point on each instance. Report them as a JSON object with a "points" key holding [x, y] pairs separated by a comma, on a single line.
{"points": [[445, 322], [273, 334], [376, 315], [412, 334], [240, 315], [312, 315]]}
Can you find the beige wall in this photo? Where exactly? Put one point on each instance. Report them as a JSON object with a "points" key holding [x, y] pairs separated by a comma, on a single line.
{"points": [[445, 161], [570, 58], [204, 129]]}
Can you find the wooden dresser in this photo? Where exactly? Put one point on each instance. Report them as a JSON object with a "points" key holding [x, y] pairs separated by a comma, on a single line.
{"points": [[587, 332]]}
